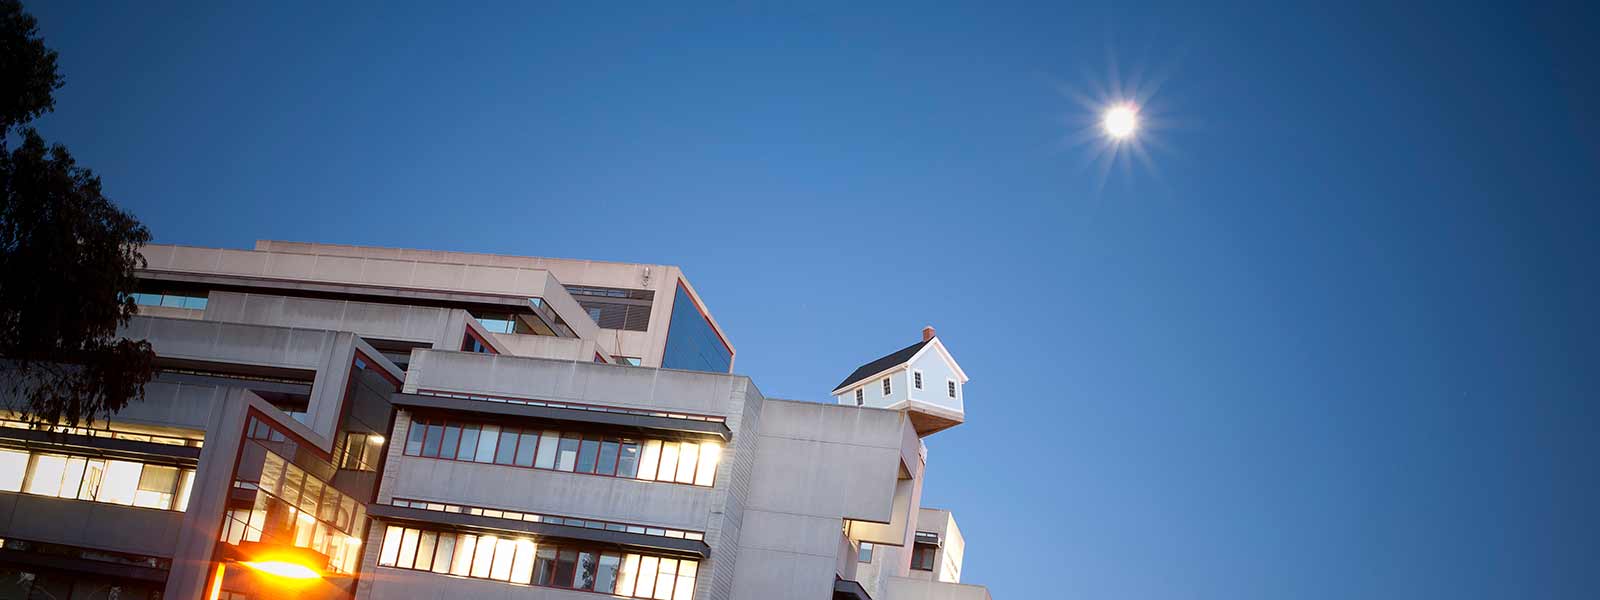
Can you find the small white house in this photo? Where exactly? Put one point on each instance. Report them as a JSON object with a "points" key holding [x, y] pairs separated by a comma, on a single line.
{"points": [[922, 379]]}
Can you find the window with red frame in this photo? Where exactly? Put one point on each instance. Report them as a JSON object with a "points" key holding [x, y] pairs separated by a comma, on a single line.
{"points": [[676, 461]]}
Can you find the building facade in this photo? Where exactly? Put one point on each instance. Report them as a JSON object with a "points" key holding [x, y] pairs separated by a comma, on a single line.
{"points": [[419, 424]]}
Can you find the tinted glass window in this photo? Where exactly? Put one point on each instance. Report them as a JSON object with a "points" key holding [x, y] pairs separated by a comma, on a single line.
{"points": [[691, 342]]}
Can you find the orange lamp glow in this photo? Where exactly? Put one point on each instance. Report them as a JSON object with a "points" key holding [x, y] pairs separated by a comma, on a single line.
{"points": [[284, 569]]}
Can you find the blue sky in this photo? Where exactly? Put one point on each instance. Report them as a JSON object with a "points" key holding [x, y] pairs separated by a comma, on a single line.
{"points": [[1337, 339]]}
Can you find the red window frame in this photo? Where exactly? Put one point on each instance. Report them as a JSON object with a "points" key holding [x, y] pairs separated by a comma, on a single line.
{"points": [[601, 439]]}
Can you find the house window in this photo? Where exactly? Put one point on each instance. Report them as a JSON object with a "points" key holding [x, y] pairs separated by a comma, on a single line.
{"points": [[886, 388], [950, 387], [865, 555], [916, 379], [860, 396]]}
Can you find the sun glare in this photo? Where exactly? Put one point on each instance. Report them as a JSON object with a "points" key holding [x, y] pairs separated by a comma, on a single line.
{"points": [[1120, 121]]}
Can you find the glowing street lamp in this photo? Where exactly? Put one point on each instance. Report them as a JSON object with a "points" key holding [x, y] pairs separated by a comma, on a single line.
{"points": [[280, 566]]}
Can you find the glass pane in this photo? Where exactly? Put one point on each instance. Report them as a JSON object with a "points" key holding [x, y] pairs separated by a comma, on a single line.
{"points": [[669, 461], [628, 577], [505, 550], [483, 559], [469, 442], [686, 573], [544, 565], [172, 300], [688, 458], [414, 438], [391, 546], [94, 472], [451, 441], [586, 571], [486, 443], [272, 474], [647, 577], [527, 442], [185, 485], [566, 559], [628, 459], [443, 554], [408, 549], [13, 467], [430, 446], [425, 549], [522, 567], [567, 453], [606, 573], [710, 455], [466, 546], [310, 495], [665, 577], [47, 472], [506, 452], [607, 463], [651, 458], [120, 483], [547, 450], [587, 452]]}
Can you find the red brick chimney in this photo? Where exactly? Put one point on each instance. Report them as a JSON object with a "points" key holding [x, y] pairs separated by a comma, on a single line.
{"points": [[927, 333]]}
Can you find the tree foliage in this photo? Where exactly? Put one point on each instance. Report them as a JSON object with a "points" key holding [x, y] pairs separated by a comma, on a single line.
{"points": [[27, 67], [67, 258]]}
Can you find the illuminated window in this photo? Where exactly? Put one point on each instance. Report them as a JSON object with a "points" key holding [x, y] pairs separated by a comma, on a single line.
{"points": [[549, 564], [13, 468]]}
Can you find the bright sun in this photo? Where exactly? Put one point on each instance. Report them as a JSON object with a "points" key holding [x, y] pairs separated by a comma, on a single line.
{"points": [[1121, 121]]}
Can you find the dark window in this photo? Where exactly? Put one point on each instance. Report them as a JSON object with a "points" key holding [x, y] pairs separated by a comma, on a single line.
{"points": [[628, 460], [452, 440], [587, 452], [544, 565], [886, 388], [566, 560], [606, 578], [430, 446], [865, 555], [527, 442], [916, 379], [692, 343], [586, 571], [615, 308], [505, 452], [951, 385], [608, 458], [567, 452], [414, 439], [632, 361], [922, 557], [860, 396], [469, 443]]}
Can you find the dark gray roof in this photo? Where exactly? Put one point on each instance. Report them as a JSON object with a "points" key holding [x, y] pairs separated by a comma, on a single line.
{"points": [[873, 368]]}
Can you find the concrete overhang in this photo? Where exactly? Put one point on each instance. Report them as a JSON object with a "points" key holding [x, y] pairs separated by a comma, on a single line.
{"points": [[696, 549], [71, 564], [71, 443], [640, 423], [845, 589]]}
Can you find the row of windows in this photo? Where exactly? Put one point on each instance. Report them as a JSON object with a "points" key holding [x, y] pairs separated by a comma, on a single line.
{"points": [[551, 519], [109, 432], [292, 506], [520, 560], [575, 406], [654, 460], [184, 300], [916, 380], [129, 483]]}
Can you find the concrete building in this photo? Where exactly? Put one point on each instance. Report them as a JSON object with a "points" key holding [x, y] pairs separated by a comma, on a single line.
{"points": [[418, 424]]}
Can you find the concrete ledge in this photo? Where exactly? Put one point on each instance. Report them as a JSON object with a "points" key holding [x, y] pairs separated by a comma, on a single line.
{"points": [[679, 547], [642, 423]]}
